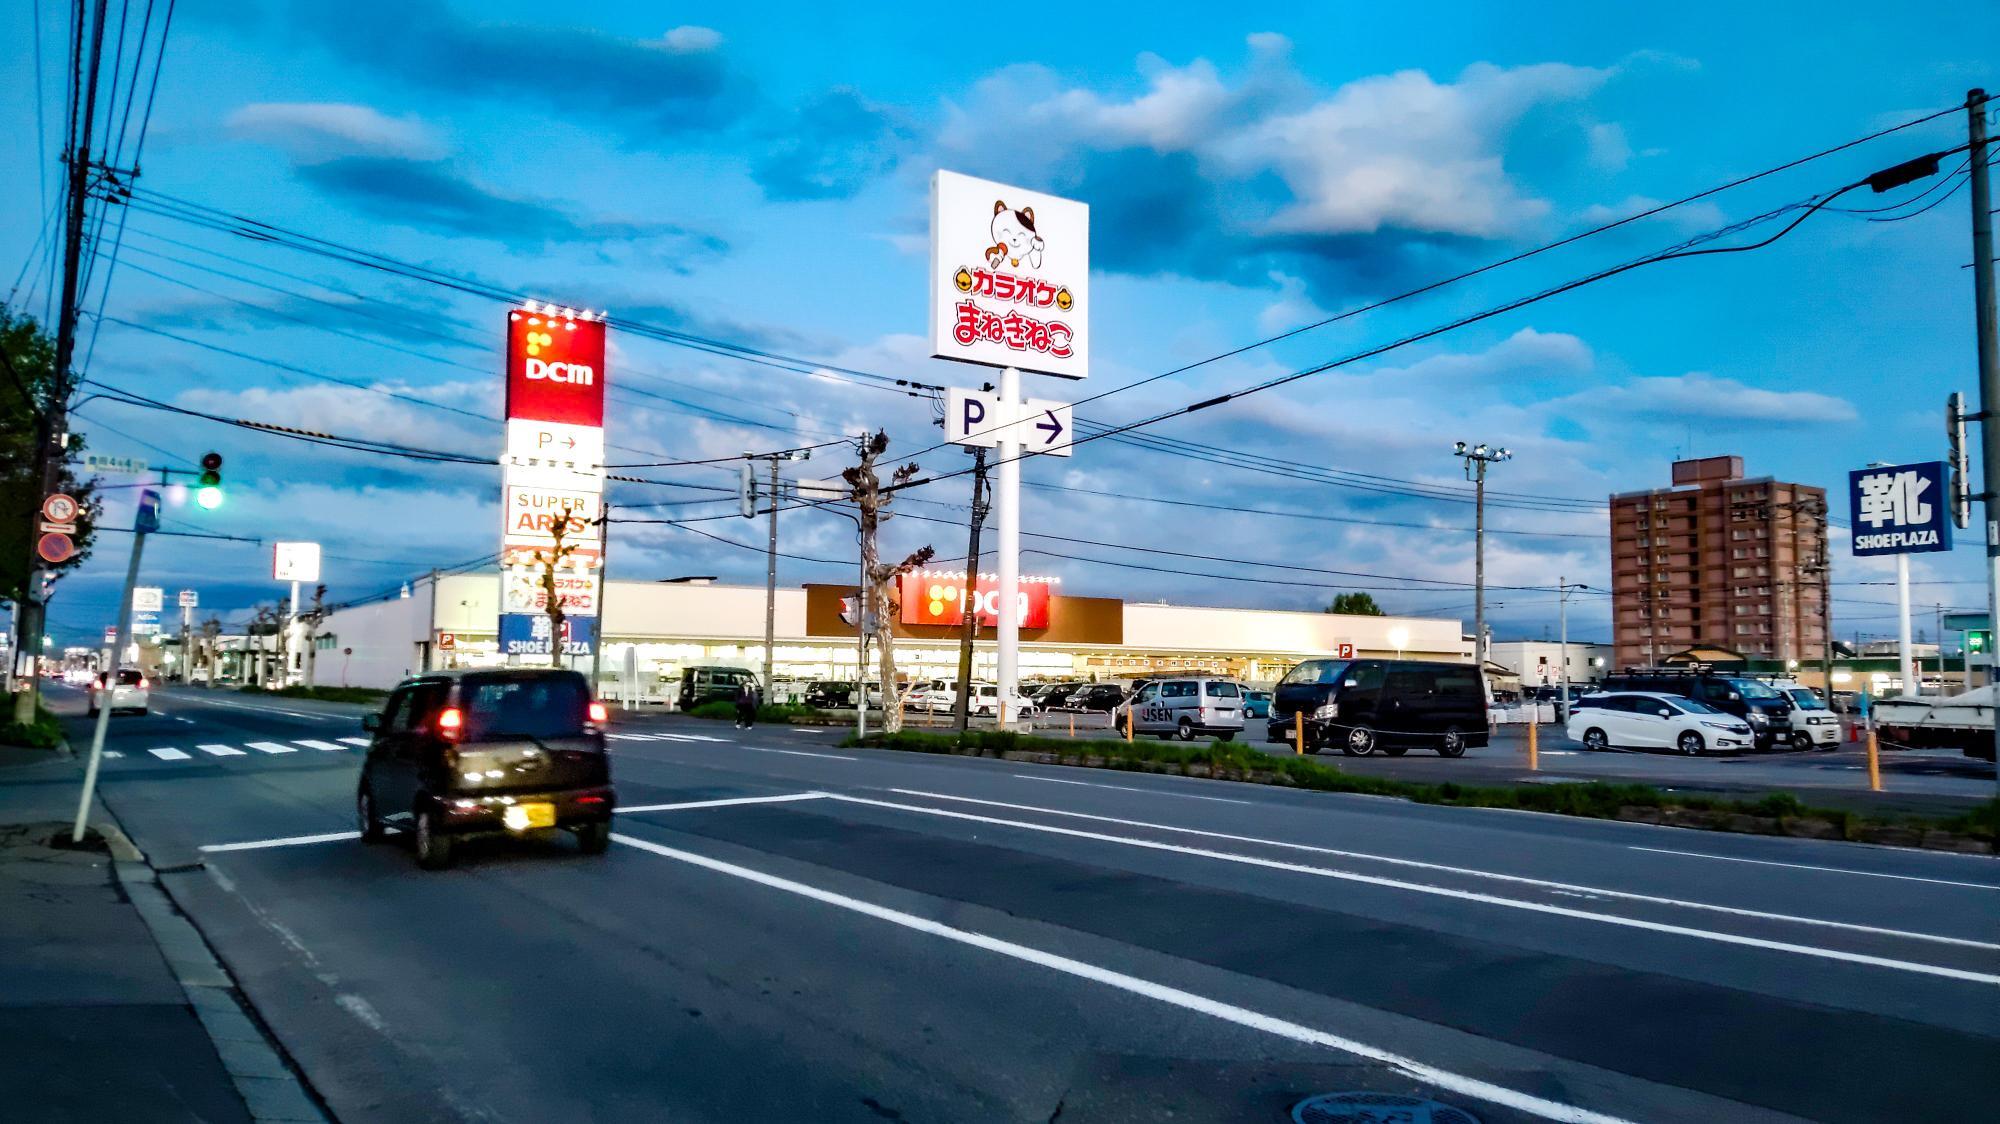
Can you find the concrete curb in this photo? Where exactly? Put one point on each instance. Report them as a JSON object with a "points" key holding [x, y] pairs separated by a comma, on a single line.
{"points": [[271, 1087]]}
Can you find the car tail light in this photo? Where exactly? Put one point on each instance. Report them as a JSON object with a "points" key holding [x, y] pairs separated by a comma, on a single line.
{"points": [[450, 723], [590, 799], [142, 683], [598, 714]]}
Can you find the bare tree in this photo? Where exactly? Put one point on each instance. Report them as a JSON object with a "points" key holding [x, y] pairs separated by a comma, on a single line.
{"points": [[311, 618], [873, 505], [551, 561], [265, 620], [211, 634]]}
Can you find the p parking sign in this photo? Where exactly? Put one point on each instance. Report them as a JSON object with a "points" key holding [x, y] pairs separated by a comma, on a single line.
{"points": [[1899, 509]]}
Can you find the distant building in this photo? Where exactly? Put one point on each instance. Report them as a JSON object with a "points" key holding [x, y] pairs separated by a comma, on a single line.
{"points": [[1538, 663], [1718, 560]]}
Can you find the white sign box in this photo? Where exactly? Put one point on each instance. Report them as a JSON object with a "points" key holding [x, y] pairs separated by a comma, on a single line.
{"points": [[556, 443], [1010, 277], [148, 598], [295, 561], [975, 417]]}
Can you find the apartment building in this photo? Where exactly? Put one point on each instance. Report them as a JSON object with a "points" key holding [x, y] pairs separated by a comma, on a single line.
{"points": [[1721, 561]]}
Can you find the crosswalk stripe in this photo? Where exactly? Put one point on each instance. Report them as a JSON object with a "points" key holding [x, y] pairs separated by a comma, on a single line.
{"points": [[168, 753], [272, 747], [221, 750], [310, 743], [362, 742]]}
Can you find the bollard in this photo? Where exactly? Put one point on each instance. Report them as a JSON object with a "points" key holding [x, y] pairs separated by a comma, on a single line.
{"points": [[1534, 745], [1299, 733], [1072, 724], [1128, 724], [1874, 762]]}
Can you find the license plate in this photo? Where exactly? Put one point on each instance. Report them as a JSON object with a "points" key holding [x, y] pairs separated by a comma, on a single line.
{"points": [[527, 817]]}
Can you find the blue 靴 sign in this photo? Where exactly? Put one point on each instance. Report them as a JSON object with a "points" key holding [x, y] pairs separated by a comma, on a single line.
{"points": [[527, 634], [1900, 509]]}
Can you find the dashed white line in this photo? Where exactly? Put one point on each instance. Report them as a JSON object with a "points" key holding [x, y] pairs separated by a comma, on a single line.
{"points": [[168, 753], [310, 743], [1828, 869], [1130, 788], [798, 753], [1186, 1000], [1449, 892], [272, 747], [292, 841], [221, 750], [308, 715]]}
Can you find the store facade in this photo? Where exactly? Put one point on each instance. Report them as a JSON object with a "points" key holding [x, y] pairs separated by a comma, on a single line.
{"points": [[653, 630]]}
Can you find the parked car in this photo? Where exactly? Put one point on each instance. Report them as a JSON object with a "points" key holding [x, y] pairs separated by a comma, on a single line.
{"points": [[830, 694], [1052, 696], [1102, 698], [1754, 701], [1389, 705], [1814, 724], [1185, 708], [710, 683], [1658, 720], [1256, 704], [132, 692], [491, 750], [986, 699]]}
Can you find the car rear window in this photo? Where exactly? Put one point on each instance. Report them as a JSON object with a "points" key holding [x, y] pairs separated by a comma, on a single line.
{"points": [[1221, 690], [552, 706], [129, 678]]}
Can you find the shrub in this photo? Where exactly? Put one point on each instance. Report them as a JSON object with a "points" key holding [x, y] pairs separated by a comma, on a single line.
{"points": [[43, 733]]}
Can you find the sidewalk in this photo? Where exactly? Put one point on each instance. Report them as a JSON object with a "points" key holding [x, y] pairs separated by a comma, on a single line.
{"points": [[111, 1008]]}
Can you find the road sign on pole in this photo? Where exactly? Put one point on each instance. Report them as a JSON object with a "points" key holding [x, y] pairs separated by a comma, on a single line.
{"points": [[978, 418], [189, 599], [120, 466], [60, 508]]}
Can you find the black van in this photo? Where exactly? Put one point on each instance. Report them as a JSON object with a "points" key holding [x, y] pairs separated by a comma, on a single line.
{"points": [[1764, 707], [1390, 705], [709, 683], [486, 750]]}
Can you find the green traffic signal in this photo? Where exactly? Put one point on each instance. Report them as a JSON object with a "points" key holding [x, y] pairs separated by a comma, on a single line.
{"points": [[209, 486], [1975, 642]]}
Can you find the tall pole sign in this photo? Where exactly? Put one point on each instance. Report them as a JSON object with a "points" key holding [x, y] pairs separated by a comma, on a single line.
{"points": [[552, 485], [1901, 509], [1009, 288]]}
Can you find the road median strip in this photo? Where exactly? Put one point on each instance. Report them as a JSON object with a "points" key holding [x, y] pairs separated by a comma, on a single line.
{"points": [[1776, 814]]}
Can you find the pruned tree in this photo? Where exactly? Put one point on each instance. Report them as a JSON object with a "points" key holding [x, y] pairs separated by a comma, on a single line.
{"points": [[551, 562], [311, 619], [211, 635], [265, 620], [865, 487]]}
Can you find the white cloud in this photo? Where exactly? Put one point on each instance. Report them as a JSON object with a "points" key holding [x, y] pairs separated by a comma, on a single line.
{"points": [[1688, 217], [1711, 401], [317, 131], [690, 38], [1293, 308], [1609, 149]]}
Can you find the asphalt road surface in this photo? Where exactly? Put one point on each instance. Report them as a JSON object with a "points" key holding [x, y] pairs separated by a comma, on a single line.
{"points": [[785, 930]]}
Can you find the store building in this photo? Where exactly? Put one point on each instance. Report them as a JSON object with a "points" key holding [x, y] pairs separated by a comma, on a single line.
{"points": [[1539, 663], [652, 630]]}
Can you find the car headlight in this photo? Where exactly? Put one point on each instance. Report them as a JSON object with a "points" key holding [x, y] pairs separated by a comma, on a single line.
{"points": [[1327, 710], [1757, 718], [1731, 727]]}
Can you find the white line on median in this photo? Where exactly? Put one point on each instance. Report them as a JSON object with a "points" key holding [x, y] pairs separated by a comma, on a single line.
{"points": [[1517, 879], [1448, 892], [727, 802], [1130, 788], [294, 841], [1186, 1000], [1829, 869]]}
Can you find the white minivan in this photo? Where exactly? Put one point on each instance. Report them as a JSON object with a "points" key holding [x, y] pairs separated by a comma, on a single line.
{"points": [[1651, 720], [1186, 708]]}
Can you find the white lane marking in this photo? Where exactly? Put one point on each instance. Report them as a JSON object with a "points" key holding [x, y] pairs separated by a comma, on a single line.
{"points": [[310, 743], [725, 803], [798, 753], [1130, 788], [112, 753], [292, 841], [1829, 869], [168, 753], [1518, 879], [272, 710], [1448, 892], [221, 750], [627, 737], [361, 1009], [1186, 1000], [271, 747], [361, 742], [189, 721]]}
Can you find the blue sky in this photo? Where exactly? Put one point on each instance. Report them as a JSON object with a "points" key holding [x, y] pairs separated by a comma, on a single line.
{"points": [[760, 176]]}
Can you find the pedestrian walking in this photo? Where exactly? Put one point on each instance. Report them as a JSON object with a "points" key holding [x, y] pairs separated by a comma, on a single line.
{"points": [[746, 705]]}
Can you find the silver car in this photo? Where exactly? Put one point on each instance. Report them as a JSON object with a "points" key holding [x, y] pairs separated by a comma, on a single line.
{"points": [[1186, 708]]}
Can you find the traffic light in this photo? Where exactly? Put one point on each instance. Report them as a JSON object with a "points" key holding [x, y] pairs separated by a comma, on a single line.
{"points": [[1976, 642], [746, 490], [209, 488]]}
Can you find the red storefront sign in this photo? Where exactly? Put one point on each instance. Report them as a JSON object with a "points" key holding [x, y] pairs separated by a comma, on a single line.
{"points": [[555, 368], [937, 598]]}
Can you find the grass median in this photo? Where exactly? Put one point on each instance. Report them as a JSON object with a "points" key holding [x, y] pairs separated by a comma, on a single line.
{"points": [[1777, 814]]}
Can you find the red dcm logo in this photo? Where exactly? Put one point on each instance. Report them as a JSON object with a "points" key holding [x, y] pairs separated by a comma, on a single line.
{"points": [[555, 364]]}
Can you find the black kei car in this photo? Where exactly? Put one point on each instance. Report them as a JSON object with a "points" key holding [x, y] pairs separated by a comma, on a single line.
{"points": [[498, 750]]}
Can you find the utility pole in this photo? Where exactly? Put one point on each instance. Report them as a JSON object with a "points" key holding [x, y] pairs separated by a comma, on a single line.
{"points": [[51, 419], [1989, 346], [1476, 458], [969, 600], [1562, 644], [773, 493], [145, 522]]}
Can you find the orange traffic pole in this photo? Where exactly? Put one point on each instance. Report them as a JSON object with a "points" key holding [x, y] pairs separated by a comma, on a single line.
{"points": [[1534, 744], [1874, 762], [1072, 724], [1299, 733], [1128, 724]]}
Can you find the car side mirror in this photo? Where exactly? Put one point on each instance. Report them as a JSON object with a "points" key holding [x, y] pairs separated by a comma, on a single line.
{"points": [[1351, 683], [1664, 713], [371, 722], [1735, 696]]}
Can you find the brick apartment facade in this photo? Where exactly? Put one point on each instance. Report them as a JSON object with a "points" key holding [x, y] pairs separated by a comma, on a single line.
{"points": [[1718, 561]]}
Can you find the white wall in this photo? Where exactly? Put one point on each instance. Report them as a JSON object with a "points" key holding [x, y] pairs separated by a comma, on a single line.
{"points": [[1167, 627], [1525, 658], [385, 637]]}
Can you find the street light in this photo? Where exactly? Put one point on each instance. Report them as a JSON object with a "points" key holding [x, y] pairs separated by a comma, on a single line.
{"points": [[1400, 637], [1476, 459]]}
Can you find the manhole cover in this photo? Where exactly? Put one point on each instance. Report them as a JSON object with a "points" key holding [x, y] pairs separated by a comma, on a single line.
{"points": [[1376, 1108]]}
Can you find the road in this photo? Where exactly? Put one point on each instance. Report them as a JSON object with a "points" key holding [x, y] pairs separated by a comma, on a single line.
{"points": [[786, 930]]}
